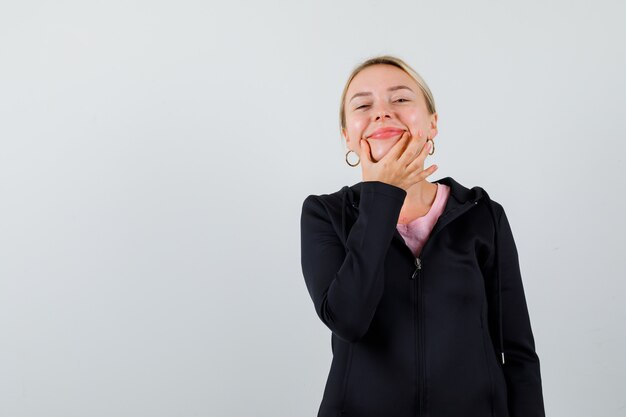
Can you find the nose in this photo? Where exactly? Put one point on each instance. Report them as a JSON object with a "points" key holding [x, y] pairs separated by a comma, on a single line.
{"points": [[382, 112], [383, 115]]}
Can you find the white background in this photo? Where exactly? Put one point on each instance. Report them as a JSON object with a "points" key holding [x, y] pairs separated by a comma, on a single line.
{"points": [[154, 157]]}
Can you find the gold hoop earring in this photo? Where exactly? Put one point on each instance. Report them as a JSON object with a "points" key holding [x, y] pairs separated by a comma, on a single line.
{"points": [[433, 149], [348, 162]]}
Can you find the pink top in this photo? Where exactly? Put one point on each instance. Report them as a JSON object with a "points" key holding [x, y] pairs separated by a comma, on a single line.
{"points": [[416, 232]]}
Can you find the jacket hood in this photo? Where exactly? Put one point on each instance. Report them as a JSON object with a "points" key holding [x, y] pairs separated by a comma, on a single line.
{"points": [[459, 196]]}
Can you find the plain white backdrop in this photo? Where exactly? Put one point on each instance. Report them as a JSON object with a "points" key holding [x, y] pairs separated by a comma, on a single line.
{"points": [[154, 157]]}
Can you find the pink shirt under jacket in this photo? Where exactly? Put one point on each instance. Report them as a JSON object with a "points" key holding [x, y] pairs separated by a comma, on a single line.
{"points": [[416, 233]]}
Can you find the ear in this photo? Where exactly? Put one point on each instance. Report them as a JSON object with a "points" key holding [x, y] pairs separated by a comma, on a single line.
{"points": [[344, 133], [433, 125]]}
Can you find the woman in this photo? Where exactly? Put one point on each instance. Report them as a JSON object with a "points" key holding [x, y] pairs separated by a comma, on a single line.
{"points": [[418, 281]]}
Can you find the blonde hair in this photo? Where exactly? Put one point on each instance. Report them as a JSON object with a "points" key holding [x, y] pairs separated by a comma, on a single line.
{"points": [[388, 60]]}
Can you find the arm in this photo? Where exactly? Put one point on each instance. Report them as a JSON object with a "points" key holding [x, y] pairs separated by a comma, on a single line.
{"points": [[346, 283], [521, 368]]}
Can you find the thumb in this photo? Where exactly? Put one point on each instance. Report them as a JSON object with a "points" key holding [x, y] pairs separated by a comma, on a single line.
{"points": [[365, 151]]}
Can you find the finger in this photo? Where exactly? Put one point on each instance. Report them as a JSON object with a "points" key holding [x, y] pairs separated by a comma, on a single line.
{"points": [[415, 170], [418, 161], [365, 151], [411, 150], [424, 152], [398, 147]]}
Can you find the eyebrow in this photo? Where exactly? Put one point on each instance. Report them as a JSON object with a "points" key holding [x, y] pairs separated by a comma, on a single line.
{"points": [[394, 88]]}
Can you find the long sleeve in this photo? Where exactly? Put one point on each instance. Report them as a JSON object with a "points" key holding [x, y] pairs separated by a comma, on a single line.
{"points": [[521, 368], [346, 283]]}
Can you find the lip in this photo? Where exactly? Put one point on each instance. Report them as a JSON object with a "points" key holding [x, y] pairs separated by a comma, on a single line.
{"points": [[386, 132]]}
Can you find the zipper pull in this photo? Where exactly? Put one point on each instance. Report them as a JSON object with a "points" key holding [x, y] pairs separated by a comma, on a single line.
{"points": [[418, 266]]}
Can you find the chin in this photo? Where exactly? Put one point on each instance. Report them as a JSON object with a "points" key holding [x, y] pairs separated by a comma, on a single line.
{"points": [[380, 148]]}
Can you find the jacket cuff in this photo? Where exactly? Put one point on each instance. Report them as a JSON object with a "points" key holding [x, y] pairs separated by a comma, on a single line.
{"points": [[384, 188]]}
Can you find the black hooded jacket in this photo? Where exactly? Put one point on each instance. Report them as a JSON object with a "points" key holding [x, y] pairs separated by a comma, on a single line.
{"points": [[445, 334]]}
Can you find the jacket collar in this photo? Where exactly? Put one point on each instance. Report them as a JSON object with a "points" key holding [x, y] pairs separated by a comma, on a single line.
{"points": [[461, 199]]}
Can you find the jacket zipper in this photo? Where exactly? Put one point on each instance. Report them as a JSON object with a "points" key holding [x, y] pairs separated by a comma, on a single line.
{"points": [[418, 334], [419, 337]]}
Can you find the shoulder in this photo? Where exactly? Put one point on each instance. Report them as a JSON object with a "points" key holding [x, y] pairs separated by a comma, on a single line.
{"points": [[326, 206], [496, 209], [479, 195], [330, 200]]}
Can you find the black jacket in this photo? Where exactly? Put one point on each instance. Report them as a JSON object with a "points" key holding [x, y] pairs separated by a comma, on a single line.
{"points": [[445, 334]]}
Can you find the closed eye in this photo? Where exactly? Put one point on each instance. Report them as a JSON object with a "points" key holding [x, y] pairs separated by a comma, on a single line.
{"points": [[400, 100]]}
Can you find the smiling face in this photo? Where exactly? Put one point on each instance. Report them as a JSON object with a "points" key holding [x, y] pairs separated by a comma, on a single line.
{"points": [[382, 102]]}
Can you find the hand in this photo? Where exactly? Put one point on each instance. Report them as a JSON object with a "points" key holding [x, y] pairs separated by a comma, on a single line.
{"points": [[401, 166]]}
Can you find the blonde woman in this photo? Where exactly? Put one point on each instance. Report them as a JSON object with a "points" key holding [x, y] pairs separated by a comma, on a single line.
{"points": [[419, 282]]}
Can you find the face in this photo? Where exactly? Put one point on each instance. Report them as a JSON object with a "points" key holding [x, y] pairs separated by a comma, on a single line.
{"points": [[384, 96]]}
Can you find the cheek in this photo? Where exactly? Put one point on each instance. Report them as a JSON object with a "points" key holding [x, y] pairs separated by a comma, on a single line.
{"points": [[413, 120], [356, 127], [412, 117]]}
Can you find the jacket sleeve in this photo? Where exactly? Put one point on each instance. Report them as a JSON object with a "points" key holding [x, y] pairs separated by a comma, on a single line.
{"points": [[346, 282], [521, 368]]}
